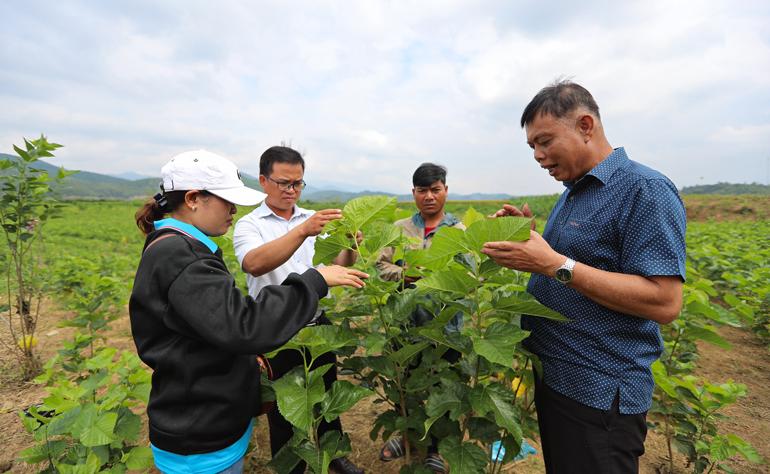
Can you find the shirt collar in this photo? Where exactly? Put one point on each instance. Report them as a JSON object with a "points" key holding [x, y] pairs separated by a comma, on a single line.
{"points": [[187, 229], [264, 211], [606, 168], [448, 220]]}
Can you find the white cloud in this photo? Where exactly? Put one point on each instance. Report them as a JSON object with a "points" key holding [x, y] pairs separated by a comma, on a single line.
{"points": [[371, 89]]}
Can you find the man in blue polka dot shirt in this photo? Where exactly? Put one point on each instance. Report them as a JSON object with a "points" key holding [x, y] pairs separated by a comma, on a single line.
{"points": [[612, 260]]}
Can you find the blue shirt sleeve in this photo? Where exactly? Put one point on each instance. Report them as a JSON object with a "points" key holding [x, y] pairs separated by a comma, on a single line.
{"points": [[654, 231]]}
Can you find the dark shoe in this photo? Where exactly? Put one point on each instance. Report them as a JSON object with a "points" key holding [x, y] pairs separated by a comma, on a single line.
{"points": [[394, 448], [434, 462], [345, 466]]}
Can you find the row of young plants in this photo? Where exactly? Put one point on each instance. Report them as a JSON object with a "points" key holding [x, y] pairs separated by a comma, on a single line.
{"points": [[89, 421], [735, 256], [727, 285], [466, 402], [91, 418]]}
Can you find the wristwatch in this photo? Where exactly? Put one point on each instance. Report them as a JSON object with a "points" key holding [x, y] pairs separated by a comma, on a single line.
{"points": [[564, 272]]}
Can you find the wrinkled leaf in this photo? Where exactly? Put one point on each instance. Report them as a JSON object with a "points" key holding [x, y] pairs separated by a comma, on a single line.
{"points": [[498, 343], [511, 229], [341, 398], [463, 457]]}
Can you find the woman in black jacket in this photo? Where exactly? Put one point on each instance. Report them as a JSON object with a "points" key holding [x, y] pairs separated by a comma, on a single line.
{"points": [[193, 326]]}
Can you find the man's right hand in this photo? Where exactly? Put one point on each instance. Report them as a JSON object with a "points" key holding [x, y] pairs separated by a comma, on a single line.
{"points": [[510, 210], [336, 275], [314, 224]]}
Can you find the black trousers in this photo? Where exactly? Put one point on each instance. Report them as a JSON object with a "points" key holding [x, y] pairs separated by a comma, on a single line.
{"points": [[281, 430], [580, 439]]}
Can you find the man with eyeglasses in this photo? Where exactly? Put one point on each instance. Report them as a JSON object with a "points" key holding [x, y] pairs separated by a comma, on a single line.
{"points": [[272, 241]]}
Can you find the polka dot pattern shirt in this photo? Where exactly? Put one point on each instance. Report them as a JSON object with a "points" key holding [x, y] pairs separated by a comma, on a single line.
{"points": [[621, 217]]}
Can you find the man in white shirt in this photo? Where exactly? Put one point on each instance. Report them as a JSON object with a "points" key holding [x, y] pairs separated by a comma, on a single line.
{"points": [[274, 240]]}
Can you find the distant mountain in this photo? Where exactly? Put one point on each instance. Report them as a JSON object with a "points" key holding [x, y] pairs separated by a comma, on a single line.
{"points": [[727, 188], [129, 175], [342, 196], [88, 185]]}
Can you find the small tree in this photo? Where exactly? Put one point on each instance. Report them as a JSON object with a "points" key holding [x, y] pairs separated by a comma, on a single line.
{"points": [[26, 203]]}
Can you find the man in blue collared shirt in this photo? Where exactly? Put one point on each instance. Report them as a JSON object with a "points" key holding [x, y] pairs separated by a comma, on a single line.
{"points": [[612, 260]]}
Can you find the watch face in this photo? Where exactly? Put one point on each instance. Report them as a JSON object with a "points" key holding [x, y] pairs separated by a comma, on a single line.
{"points": [[563, 275]]}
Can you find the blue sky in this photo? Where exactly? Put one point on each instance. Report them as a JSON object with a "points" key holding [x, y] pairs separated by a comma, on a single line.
{"points": [[369, 90]]}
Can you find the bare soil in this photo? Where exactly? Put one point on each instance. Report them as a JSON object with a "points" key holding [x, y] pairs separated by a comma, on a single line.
{"points": [[748, 362], [745, 207]]}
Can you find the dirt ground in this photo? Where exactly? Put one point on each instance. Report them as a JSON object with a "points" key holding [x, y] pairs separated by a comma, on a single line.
{"points": [[748, 362], [728, 207]]}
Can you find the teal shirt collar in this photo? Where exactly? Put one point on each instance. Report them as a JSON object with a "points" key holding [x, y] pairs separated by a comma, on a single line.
{"points": [[187, 229]]}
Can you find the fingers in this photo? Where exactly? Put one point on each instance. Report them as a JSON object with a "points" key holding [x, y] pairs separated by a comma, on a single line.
{"points": [[503, 245], [511, 210], [336, 275], [329, 212], [357, 273], [327, 215], [354, 278]]}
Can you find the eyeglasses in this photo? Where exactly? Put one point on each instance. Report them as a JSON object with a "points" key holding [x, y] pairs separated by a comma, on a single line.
{"points": [[287, 185]]}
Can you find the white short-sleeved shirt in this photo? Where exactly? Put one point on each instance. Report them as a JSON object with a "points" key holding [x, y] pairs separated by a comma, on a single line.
{"points": [[261, 226]]}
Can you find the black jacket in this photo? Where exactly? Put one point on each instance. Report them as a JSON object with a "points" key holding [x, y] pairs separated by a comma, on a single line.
{"points": [[199, 333]]}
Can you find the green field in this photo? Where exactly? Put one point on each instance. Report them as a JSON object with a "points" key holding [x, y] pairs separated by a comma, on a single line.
{"points": [[98, 244]]}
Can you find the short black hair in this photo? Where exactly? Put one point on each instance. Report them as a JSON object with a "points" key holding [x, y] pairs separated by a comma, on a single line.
{"points": [[428, 173], [279, 154], [558, 100]]}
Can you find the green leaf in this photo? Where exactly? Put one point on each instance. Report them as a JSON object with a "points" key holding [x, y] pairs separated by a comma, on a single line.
{"points": [[525, 304], [499, 401], [317, 460], [295, 401], [335, 445], [327, 247], [42, 452], [445, 244], [341, 398], [97, 429], [139, 458], [511, 229], [453, 280], [65, 422], [321, 339], [377, 238], [361, 211], [401, 356], [745, 449], [129, 425], [446, 399], [89, 467], [462, 457], [472, 216], [284, 460], [498, 343], [23, 154], [374, 343], [707, 333]]}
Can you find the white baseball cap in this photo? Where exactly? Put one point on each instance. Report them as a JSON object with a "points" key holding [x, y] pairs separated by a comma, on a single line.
{"points": [[203, 170]]}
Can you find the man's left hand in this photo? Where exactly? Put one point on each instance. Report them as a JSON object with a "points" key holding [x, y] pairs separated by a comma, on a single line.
{"points": [[533, 255]]}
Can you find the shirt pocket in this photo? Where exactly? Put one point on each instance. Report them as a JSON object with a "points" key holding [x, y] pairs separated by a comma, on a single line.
{"points": [[591, 243]]}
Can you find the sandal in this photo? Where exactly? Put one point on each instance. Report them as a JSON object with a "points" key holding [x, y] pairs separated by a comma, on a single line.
{"points": [[435, 463], [395, 446]]}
